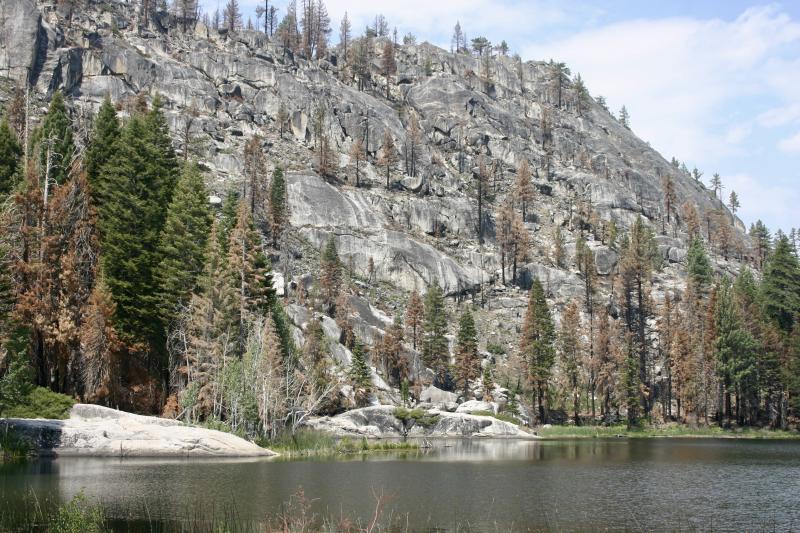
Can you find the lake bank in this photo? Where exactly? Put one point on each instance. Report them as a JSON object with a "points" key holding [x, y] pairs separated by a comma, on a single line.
{"points": [[670, 431]]}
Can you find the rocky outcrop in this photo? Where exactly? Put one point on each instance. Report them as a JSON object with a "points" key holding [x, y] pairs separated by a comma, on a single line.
{"points": [[379, 422], [92, 430]]}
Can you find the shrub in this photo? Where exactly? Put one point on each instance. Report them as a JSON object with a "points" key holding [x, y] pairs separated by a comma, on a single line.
{"points": [[42, 403], [12, 446]]}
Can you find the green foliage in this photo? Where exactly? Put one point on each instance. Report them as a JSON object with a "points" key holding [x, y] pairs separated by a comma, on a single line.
{"points": [[41, 402], [781, 286], [15, 384], [101, 148], [56, 133], [139, 179], [79, 516], [538, 336], [415, 416], [183, 241], [698, 266], [10, 152], [278, 208], [468, 363], [13, 447], [359, 370], [228, 218], [435, 348], [330, 275]]}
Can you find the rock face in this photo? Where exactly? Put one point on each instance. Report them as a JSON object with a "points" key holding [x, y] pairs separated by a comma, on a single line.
{"points": [[379, 422], [92, 430]]}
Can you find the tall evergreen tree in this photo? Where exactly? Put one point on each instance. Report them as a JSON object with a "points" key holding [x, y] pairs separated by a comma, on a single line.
{"points": [[55, 140], [331, 275], [101, 146], [570, 347], [278, 206], [131, 220], [435, 348], [183, 242], [468, 363], [10, 153], [781, 286], [735, 351], [536, 346], [698, 266]]}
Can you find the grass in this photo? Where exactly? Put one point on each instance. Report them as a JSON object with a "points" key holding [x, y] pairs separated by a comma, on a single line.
{"points": [[310, 443], [670, 430], [79, 515], [12, 446], [42, 403]]}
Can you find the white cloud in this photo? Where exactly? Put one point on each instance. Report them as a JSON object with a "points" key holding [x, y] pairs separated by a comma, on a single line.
{"points": [[680, 77], [764, 199], [780, 116], [790, 145]]}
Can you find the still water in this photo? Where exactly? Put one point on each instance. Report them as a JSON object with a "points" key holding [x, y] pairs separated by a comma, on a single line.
{"points": [[655, 484]]}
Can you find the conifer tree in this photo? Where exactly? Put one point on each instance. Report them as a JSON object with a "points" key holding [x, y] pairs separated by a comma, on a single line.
{"points": [[183, 242], [536, 346], [130, 221], [414, 316], [388, 64], [101, 146], [781, 286], [388, 155], [360, 374], [733, 202], [570, 348], [248, 270], [55, 140], [435, 348], [468, 364], [330, 279], [10, 153], [487, 382], [523, 188], [698, 266], [278, 206], [357, 155], [735, 351]]}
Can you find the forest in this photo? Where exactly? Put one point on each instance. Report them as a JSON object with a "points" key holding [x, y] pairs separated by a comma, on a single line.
{"points": [[122, 285]]}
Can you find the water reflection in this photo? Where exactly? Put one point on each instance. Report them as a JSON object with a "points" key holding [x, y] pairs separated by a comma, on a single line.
{"points": [[488, 484]]}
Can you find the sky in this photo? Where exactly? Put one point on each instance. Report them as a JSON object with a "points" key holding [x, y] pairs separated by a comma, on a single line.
{"points": [[714, 83]]}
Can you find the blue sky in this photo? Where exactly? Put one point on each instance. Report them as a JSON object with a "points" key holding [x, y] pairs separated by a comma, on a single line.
{"points": [[714, 83]]}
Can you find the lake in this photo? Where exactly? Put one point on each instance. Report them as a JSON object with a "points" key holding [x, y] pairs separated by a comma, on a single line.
{"points": [[475, 485]]}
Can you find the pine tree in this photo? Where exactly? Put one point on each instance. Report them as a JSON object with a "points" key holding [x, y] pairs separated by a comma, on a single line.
{"points": [[698, 266], [360, 374], [733, 202], [249, 271], [232, 15], [357, 155], [716, 184], [435, 348], [468, 363], [345, 29], [388, 155], [278, 206], [735, 351], [16, 383], [582, 96], [388, 64], [330, 279], [183, 242], [763, 242], [100, 150], [415, 312], [130, 221], [487, 382], [536, 346], [10, 153], [570, 348], [55, 140], [624, 118], [559, 251], [523, 188], [781, 286]]}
